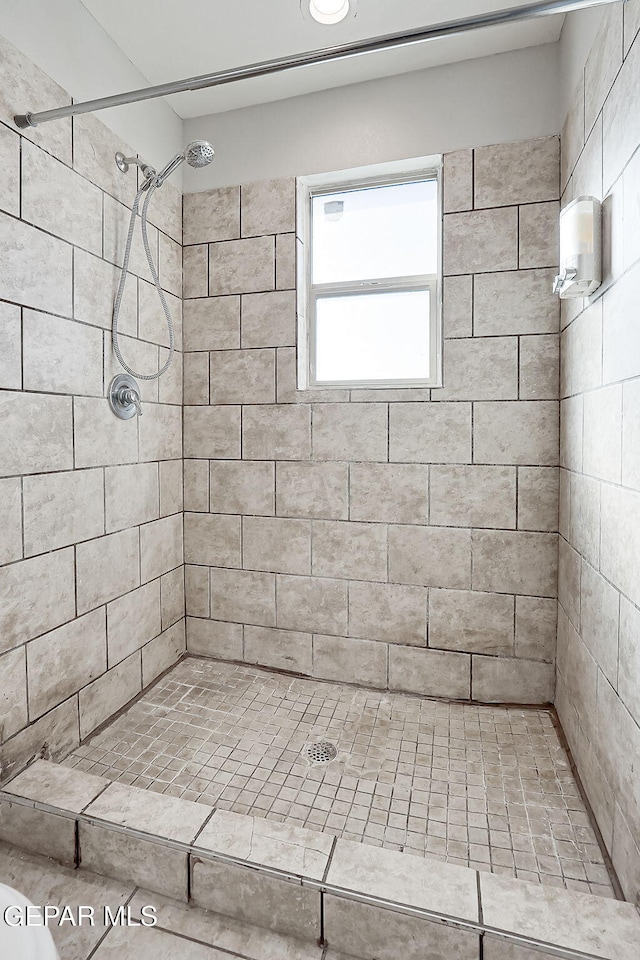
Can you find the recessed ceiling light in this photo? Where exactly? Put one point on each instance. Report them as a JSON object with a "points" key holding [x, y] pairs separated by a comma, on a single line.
{"points": [[328, 11]]}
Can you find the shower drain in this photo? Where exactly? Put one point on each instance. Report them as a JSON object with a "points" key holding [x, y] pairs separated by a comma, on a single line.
{"points": [[320, 752]]}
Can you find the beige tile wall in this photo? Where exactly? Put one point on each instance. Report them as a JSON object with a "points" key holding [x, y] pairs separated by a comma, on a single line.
{"points": [[598, 690], [91, 544], [402, 539]]}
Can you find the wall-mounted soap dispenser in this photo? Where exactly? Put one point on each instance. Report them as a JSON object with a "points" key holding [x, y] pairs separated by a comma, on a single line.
{"points": [[580, 249]]}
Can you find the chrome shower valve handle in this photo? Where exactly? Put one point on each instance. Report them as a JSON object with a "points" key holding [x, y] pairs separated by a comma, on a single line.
{"points": [[131, 396], [124, 397]]}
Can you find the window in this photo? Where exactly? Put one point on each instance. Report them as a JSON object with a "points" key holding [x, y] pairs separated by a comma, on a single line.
{"points": [[369, 296]]}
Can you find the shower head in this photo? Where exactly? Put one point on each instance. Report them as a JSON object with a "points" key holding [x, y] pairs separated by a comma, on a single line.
{"points": [[198, 153]]}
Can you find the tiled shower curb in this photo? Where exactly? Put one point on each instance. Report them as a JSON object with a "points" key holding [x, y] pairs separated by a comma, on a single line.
{"points": [[362, 900]]}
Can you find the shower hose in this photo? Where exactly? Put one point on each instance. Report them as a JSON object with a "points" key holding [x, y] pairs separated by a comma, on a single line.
{"points": [[150, 186]]}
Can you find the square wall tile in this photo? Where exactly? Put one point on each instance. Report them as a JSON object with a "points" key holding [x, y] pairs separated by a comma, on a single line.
{"points": [[603, 63], [524, 432], [539, 367], [10, 159], [13, 691], [457, 306], [100, 439], [471, 622], [212, 323], [538, 166], [473, 496], [349, 660], [242, 487], [196, 486], [212, 432], [390, 612], [426, 433], [132, 621], [213, 540], [515, 562], [312, 605], [276, 545], [11, 355], [286, 250], [212, 638], [62, 662], [506, 680], [242, 596], [350, 550], [482, 241], [310, 490], [241, 375], [95, 282], [107, 568], [430, 673], [105, 696], [620, 539], [131, 495], [48, 288], [536, 624], [38, 595], [172, 596], [269, 319], [280, 649], [211, 215], [539, 235], [391, 493], [344, 431], [171, 487], [38, 433], [161, 432], [268, 206], [161, 547], [599, 620], [11, 520], [538, 495], [479, 369], [276, 432], [197, 592], [602, 443], [195, 271], [458, 181], [515, 302], [430, 556], [58, 200], [56, 732], [242, 266]]}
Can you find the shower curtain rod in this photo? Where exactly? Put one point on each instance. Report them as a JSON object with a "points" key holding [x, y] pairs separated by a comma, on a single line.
{"points": [[345, 51]]}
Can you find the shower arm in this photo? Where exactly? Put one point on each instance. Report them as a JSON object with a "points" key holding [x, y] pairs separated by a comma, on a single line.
{"points": [[344, 51]]}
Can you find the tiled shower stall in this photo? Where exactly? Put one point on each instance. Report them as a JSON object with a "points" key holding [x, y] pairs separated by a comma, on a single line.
{"points": [[411, 577]]}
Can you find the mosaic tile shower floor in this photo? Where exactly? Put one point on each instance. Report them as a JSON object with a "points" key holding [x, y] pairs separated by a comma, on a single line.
{"points": [[483, 786]]}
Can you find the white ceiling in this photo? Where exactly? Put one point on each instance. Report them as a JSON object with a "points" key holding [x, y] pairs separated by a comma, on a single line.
{"points": [[173, 39]]}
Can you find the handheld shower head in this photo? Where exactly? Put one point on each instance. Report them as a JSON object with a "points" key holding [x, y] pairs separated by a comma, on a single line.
{"points": [[198, 153]]}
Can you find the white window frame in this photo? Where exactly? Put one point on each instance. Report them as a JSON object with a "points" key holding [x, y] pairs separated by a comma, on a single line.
{"points": [[308, 188]]}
